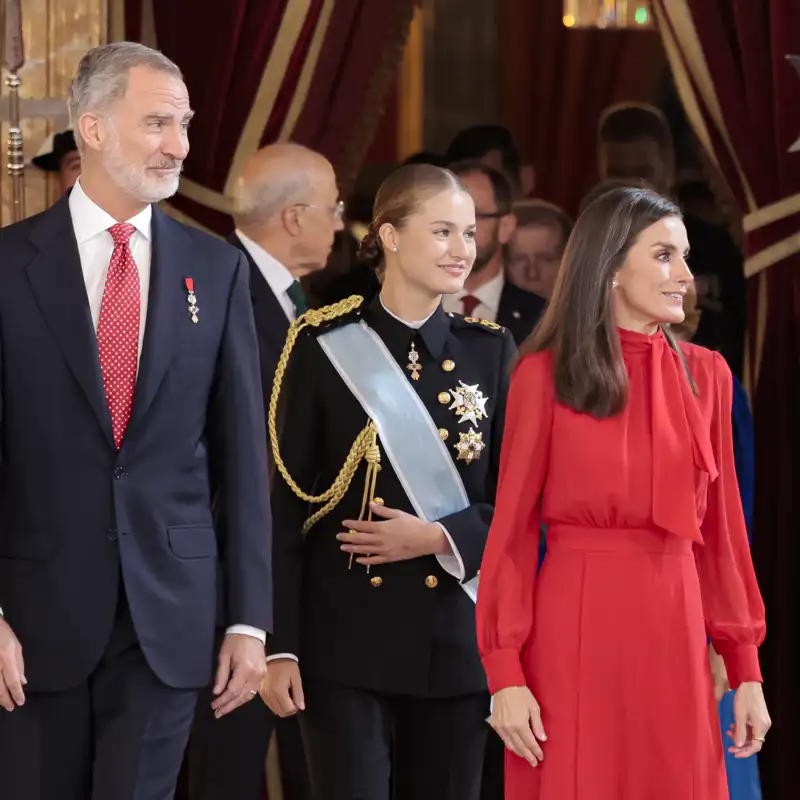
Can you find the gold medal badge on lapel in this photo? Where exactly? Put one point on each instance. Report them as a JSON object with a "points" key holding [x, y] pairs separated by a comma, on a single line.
{"points": [[192, 298]]}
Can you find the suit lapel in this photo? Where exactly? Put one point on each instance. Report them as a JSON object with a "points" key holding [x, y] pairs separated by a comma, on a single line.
{"points": [[165, 303], [270, 317], [56, 278]]}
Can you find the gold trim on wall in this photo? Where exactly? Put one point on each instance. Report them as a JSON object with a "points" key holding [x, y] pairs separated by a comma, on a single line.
{"points": [[411, 89]]}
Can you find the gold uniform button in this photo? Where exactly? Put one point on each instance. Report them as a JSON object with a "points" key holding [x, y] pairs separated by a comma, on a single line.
{"points": [[376, 581], [431, 581], [448, 366], [444, 398], [444, 433], [378, 501]]}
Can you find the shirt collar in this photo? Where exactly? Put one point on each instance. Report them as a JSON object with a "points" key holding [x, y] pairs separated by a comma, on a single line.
{"points": [[275, 274], [489, 293], [89, 220], [396, 333]]}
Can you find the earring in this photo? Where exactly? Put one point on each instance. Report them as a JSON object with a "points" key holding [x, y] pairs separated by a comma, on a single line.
{"points": [[614, 284], [394, 249]]}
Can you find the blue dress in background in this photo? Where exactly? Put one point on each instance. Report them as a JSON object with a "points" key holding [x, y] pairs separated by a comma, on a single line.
{"points": [[743, 778]]}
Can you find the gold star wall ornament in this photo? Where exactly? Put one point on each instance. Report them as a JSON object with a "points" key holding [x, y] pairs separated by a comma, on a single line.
{"points": [[468, 403], [469, 446], [795, 62]]}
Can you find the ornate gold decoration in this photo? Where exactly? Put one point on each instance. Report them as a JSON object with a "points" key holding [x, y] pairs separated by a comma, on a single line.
{"points": [[413, 363], [470, 445], [365, 447]]}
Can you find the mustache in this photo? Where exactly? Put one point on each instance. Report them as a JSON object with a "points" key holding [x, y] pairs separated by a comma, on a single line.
{"points": [[172, 163]]}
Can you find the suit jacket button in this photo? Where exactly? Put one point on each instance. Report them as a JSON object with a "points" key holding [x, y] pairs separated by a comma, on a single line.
{"points": [[112, 534], [444, 433], [119, 472], [431, 581], [448, 366], [376, 581]]}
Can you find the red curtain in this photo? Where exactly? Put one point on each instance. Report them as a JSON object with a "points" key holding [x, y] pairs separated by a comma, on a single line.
{"points": [[556, 83], [258, 71], [742, 94]]}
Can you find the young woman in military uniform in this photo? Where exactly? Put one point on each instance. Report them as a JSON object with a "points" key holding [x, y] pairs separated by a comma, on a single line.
{"points": [[391, 418]]}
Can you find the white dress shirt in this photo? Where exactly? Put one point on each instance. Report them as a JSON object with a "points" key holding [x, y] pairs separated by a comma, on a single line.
{"points": [[452, 563], [275, 274], [95, 247], [489, 295]]}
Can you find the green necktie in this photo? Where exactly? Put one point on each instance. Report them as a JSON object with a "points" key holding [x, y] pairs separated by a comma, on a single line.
{"points": [[298, 298]]}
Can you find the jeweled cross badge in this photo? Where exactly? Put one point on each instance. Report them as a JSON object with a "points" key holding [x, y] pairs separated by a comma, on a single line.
{"points": [[468, 403], [192, 298]]}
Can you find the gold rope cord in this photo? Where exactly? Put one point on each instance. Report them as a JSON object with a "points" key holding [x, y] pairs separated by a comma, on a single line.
{"points": [[364, 447]]}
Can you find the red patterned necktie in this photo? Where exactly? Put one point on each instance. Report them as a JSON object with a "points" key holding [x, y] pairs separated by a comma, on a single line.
{"points": [[118, 330], [470, 303]]}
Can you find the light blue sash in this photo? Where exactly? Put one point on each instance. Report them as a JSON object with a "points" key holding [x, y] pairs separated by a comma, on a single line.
{"points": [[409, 438]]}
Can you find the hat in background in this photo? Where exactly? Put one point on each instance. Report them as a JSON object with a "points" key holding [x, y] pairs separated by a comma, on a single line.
{"points": [[53, 150]]}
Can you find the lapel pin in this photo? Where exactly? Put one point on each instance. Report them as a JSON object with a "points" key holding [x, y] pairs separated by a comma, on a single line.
{"points": [[192, 298]]}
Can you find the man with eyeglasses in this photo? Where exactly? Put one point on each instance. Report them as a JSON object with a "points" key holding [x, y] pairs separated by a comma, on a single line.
{"points": [[486, 293], [286, 211]]}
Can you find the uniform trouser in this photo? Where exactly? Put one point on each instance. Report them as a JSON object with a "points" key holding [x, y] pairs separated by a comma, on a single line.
{"points": [[368, 746]]}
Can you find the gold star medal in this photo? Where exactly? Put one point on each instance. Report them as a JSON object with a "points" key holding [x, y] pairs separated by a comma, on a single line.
{"points": [[469, 403], [469, 446]]}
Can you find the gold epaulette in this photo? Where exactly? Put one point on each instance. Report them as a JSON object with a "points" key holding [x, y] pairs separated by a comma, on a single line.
{"points": [[365, 445], [492, 326]]}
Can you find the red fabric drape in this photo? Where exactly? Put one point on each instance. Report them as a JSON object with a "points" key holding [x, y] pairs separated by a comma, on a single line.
{"points": [[328, 65], [556, 83], [743, 97]]}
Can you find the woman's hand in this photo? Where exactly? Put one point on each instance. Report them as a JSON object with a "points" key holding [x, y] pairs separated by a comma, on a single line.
{"points": [[517, 718], [751, 720], [398, 537], [718, 673]]}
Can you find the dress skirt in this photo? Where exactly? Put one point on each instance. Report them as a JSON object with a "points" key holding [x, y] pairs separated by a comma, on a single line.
{"points": [[618, 661]]}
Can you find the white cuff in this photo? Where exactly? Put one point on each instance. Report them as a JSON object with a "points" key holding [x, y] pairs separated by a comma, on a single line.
{"points": [[289, 656], [248, 630], [452, 563]]}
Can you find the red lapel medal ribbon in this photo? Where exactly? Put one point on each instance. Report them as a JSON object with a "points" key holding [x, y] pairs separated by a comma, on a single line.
{"points": [[192, 298]]}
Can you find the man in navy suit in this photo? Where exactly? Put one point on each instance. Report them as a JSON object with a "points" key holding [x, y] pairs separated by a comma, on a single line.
{"points": [[287, 211], [133, 461]]}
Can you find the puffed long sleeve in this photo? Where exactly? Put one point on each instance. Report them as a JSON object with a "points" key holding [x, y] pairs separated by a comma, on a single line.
{"points": [[508, 570], [734, 610]]}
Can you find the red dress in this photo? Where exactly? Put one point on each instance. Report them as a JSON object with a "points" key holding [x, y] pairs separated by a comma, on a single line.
{"points": [[647, 553]]}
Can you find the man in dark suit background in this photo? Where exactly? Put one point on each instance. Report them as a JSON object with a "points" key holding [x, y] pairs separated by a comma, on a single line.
{"points": [[130, 403], [287, 211], [486, 293]]}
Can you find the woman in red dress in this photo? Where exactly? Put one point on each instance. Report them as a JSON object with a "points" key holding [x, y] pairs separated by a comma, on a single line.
{"points": [[619, 440]]}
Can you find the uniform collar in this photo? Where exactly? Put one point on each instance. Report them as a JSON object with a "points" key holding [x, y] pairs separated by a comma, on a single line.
{"points": [[396, 334]]}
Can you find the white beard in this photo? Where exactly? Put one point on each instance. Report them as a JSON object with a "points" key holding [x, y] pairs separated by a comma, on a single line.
{"points": [[138, 182]]}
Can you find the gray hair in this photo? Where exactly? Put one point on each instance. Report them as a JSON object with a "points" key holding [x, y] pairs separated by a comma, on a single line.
{"points": [[102, 77], [260, 200]]}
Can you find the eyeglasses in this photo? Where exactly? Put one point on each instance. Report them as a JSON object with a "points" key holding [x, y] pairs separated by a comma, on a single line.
{"points": [[337, 211]]}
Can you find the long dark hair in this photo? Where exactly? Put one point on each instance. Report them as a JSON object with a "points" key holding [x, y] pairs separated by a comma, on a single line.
{"points": [[589, 370]]}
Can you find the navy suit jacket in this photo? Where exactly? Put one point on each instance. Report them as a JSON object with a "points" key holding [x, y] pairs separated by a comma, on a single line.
{"points": [[75, 513], [272, 324]]}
